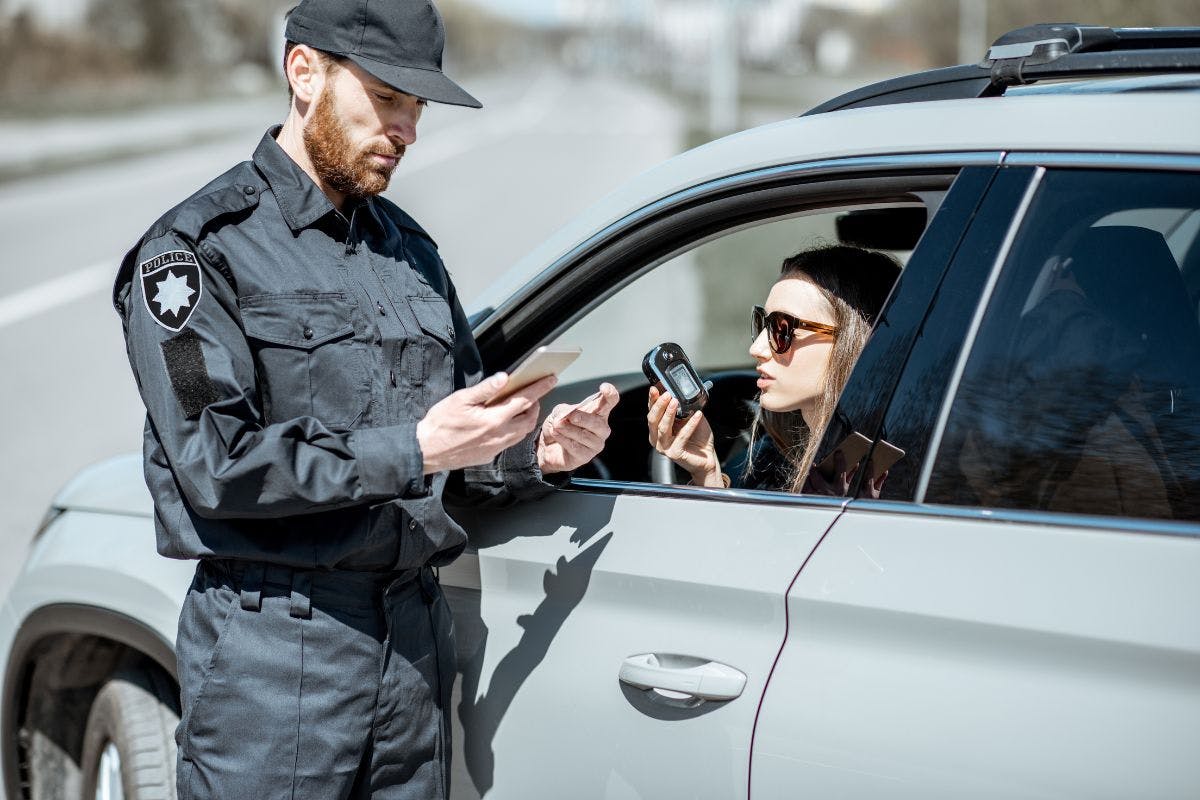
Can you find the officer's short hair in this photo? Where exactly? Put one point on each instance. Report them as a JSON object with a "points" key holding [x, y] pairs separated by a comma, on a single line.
{"points": [[328, 59]]}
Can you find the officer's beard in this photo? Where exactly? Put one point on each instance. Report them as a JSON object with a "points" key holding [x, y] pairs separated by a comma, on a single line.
{"points": [[339, 164]]}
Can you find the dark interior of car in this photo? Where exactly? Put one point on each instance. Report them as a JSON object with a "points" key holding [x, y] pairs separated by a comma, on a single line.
{"points": [[628, 455], [1096, 369]]}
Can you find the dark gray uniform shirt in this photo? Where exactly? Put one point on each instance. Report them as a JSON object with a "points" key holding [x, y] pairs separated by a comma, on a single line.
{"points": [[285, 352]]}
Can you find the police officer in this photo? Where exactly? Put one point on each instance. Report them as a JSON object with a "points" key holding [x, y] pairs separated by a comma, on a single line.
{"points": [[313, 393]]}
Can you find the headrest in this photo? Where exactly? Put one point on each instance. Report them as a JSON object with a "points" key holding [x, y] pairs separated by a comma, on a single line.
{"points": [[1130, 276]]}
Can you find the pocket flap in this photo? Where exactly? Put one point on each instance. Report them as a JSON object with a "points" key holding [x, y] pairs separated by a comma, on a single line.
{"points": [[304, 320], [433, 315]]}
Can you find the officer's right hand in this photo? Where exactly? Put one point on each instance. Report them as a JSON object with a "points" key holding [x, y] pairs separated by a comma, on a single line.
{"points": [[464, 431]]}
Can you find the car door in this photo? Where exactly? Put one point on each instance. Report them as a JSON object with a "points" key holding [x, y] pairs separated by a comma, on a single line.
{"points": [[1016, 615], [617, 636]]}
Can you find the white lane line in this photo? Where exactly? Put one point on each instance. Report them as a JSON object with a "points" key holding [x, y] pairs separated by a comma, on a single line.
{"points": [[454, 140], [56, 292], [530, 112]]}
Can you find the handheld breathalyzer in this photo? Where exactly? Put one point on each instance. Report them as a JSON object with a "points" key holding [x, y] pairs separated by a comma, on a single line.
{"points": [[667, 367]]}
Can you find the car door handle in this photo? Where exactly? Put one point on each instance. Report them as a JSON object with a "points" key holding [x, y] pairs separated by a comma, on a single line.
{"points": [[695, 677]]}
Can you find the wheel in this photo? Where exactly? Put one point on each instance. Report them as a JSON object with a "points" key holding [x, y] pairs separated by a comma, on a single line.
{"points": [[129, 741]]}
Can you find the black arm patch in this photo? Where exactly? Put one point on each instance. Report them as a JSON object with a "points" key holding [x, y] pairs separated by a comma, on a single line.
{"points": [[194, 389]]}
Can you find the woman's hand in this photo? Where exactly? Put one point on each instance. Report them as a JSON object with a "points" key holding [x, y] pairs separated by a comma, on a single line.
{"points": [[689, 443], [872, 487], [838, 484], [835, 484]]}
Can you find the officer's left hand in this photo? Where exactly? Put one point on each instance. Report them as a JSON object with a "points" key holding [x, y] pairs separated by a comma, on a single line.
{"points": [[575, 434]]}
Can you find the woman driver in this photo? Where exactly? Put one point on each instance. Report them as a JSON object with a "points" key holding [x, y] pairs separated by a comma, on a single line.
{"points": [[814, 326]]}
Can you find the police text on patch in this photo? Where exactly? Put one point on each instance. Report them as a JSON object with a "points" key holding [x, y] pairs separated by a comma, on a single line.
{"points": [[173, 257]]}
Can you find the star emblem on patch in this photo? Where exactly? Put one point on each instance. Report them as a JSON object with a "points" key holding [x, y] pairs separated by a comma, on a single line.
{"points": [[171, 287]]}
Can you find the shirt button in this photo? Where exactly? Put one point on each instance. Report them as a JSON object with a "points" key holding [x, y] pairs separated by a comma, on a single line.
{"points": [[450, 332], [379, 305], [412, 524], [392, 376], [248, 189], [308, 333]]}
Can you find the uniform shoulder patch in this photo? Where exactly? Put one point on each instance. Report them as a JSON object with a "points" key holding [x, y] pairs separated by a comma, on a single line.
{"points": [[171, 287]]}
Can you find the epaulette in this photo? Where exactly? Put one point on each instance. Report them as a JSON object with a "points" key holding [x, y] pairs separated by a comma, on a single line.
{"points": [[233, 193]]}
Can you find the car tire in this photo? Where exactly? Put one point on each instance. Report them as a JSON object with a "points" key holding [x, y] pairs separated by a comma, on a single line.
{"points": [[130, 738]]}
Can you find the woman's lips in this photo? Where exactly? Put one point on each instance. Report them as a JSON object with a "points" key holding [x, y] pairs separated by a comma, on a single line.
{"points": [[764, 381]]}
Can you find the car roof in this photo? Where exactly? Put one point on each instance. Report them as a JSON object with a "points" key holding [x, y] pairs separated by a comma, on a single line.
{"points": [[1188, 83], [1137, 115]]}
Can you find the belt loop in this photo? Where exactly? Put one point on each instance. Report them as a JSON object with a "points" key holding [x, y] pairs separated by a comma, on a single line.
{"points": [[252, 581], [301, 594]]}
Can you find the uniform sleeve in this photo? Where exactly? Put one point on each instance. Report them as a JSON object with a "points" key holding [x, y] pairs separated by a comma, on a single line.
{"points": [[514, 474], [196, 375]]}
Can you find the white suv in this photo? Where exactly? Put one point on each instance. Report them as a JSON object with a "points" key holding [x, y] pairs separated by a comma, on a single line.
{"points": [[1017, 615]]}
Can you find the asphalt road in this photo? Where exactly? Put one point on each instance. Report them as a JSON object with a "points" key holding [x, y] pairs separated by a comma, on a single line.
{"points": [[487, 185]]}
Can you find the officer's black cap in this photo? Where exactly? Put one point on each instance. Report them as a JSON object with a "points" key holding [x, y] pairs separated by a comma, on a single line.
{"points": [[398, 41]]}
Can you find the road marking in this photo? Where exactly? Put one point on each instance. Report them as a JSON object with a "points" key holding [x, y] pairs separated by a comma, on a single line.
{"points": [[56, 292], [452, 141], [534, 107]]}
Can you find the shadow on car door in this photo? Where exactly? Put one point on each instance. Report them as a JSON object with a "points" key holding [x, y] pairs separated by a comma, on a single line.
{"points": [[670, 586]]}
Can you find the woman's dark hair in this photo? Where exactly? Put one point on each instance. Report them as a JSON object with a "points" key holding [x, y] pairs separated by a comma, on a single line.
{"points": [[856, 283]]}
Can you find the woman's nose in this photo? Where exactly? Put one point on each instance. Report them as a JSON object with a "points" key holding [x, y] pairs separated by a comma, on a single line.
{"points": [[759, 349]]}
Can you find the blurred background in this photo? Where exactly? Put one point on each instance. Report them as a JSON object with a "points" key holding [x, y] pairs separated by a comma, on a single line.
{"points": [[112, 111]]}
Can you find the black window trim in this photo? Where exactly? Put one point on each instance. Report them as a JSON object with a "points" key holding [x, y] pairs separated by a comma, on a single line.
{"points": [[758, 497], [1042, 162], [918, 507], [1140, 161], [1056, 519], [829, 176], [557, 302], [964, 353], [866, 404], [643, 238], [710, 190], [694, 244]]}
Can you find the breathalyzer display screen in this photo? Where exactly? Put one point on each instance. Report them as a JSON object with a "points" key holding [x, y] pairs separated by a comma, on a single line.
{"points": [[678, 375]]}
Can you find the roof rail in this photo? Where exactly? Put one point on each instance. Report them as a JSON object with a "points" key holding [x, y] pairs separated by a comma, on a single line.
{"points": [[1034, 53]]}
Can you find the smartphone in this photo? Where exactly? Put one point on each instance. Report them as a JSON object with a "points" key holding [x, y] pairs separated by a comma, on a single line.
{"points": [[541, 363], [855, 447], [667, 367]]}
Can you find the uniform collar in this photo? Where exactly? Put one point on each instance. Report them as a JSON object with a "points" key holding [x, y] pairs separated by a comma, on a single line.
{"points": [[300, 199], [370, 206]]}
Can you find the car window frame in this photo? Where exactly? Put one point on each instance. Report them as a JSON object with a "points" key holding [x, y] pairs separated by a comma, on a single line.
{"points": [[925, 352], [1033, 163], [667, 227], [493, 327], [884, 361]]}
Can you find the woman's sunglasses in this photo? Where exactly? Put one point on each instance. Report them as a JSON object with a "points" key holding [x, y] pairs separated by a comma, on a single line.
{"points": [[781, 328]]}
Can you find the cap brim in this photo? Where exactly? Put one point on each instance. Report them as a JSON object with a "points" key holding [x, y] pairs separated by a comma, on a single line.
{"points": [[429, 84]]}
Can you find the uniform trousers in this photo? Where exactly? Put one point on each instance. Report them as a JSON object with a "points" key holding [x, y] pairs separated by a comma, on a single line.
{"points": [[313, 684]]}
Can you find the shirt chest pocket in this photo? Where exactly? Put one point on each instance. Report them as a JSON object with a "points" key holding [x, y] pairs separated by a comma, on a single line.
{"points": [[429, 356], [308, 361]]}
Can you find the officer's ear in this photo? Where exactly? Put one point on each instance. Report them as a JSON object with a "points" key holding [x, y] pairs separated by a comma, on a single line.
{"points": [[305, 70]]}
